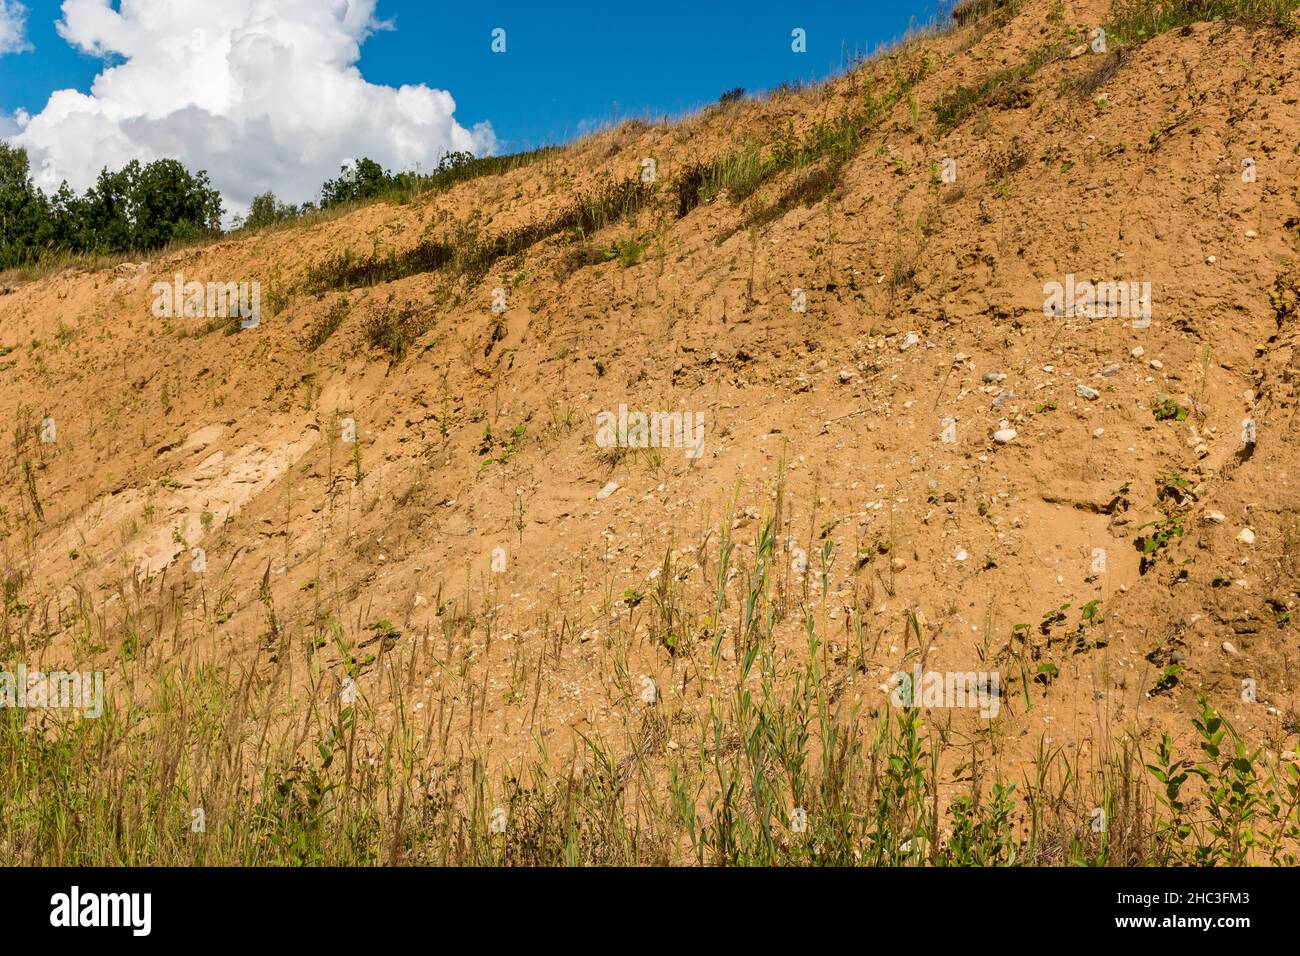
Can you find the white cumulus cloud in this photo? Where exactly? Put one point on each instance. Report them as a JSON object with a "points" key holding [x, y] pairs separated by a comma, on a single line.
{"points": [[13, 33], [263, 94]]}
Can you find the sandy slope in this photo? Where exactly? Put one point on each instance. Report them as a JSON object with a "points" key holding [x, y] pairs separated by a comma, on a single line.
{"points": [[159, 421]]}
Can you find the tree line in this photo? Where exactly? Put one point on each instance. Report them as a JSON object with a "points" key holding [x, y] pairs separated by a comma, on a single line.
{"points": [[364, 180], [141, 206], [147, 206]]}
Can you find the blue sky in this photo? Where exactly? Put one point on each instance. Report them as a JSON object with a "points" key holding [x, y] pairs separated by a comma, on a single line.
{"points": [[567, 68], [563, 71]]}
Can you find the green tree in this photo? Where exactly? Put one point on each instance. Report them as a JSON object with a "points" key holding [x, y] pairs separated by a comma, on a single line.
{"points": [[167, 203], [451, 161], [266, 210], [365, 180], [105, 224], [66, 219], [24, 216]]}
